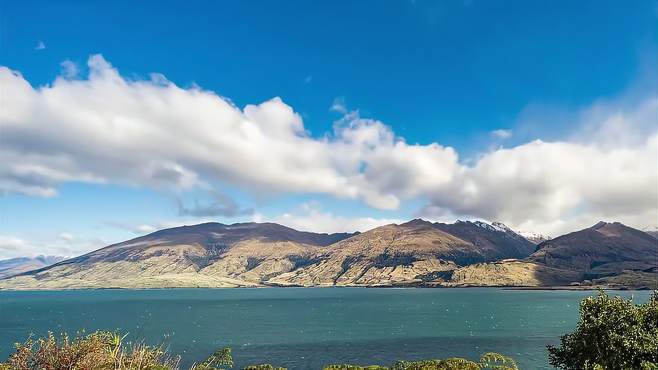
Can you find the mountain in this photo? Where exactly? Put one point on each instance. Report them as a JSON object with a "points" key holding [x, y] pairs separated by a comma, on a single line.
{"points": [[209, 254], [653, 231], [15, 266], [253, 254], [608, 254], [602, 249], [388, 255], [416, 253], [534, 238], [496, 240]]}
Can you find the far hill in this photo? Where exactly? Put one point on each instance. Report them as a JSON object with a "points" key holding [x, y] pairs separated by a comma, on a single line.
{"points": [[19, 265]]}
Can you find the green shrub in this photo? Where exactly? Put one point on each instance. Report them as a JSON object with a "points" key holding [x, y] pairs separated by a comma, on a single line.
{"points": [[493, 361], [264, 367], [221, 357], [613, 333]]}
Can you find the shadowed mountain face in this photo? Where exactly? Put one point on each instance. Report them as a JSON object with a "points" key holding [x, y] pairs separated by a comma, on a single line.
{"points": [[602, 249], [15, 266], [414, 253], [497, 241], [607, 254]]}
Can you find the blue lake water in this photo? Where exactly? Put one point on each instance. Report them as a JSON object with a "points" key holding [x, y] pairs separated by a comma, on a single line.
{"points": [[305, 328]]}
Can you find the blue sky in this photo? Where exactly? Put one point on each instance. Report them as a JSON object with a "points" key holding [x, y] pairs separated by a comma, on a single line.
{"points": [[447, 73]]}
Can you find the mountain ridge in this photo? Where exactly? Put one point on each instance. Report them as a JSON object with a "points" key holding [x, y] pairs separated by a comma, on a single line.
{"points": [[414, 253]]}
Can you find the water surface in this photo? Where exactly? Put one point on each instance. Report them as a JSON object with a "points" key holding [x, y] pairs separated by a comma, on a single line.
{"points": [[304, 328]]}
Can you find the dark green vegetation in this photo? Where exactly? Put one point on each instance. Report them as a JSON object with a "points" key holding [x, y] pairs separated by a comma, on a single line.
{"points": [[104, 350], [492, 361], [613, 333]]}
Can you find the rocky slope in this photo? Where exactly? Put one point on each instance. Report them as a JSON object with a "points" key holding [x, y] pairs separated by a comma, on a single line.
{"points": [[416, 253], [208, 255]]}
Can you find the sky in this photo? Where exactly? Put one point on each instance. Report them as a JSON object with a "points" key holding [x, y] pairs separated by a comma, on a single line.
{"points": [[120, 118]]}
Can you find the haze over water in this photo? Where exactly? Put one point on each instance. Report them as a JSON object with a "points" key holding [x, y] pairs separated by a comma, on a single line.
{"points": [[305, 328]]}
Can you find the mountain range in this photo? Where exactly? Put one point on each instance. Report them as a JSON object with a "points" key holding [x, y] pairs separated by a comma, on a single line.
{"points": [[415, 253]]}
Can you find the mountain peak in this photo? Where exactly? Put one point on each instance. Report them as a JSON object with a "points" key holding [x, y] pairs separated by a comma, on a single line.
{"points": [[417, 222], [599, 225]]}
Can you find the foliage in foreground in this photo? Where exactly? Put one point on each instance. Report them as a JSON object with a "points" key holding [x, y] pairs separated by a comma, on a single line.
{"points": [[491, 361], [107, 351], [613, 333], [99, 350]]}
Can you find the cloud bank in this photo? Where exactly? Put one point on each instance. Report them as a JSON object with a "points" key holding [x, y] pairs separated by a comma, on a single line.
{"points": [[105, 128]]}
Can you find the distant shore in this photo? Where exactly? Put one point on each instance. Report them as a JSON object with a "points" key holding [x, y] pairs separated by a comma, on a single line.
{"points": [[502, 287]]}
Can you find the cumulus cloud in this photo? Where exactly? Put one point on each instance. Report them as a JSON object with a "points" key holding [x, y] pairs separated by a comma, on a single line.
{"points": [[105, 128], [40, 46]]}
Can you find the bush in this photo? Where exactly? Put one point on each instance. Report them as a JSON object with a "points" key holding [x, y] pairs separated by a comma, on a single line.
{"points": [[493, 361], [613, 333], [107, 351], [264, 367], [220, 357], [99, 350]]}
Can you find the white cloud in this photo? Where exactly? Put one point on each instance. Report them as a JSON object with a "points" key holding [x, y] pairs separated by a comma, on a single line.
{"points": [[557, 187], [67, 237], [40, 46], [152, 133], [61, 245], [501, 134], [69, 69], [338, 105], [11, 245], [309, 217], [105, 128], [139, 229]]}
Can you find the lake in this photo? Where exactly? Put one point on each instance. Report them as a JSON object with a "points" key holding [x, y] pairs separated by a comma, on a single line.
{"points": [[305, 328]]}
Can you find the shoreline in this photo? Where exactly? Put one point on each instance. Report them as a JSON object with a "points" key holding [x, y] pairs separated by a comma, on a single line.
{"points": [[500, 287]]}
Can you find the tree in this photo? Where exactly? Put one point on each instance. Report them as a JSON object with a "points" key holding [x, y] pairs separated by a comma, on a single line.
{"points": [[613, 333]]}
